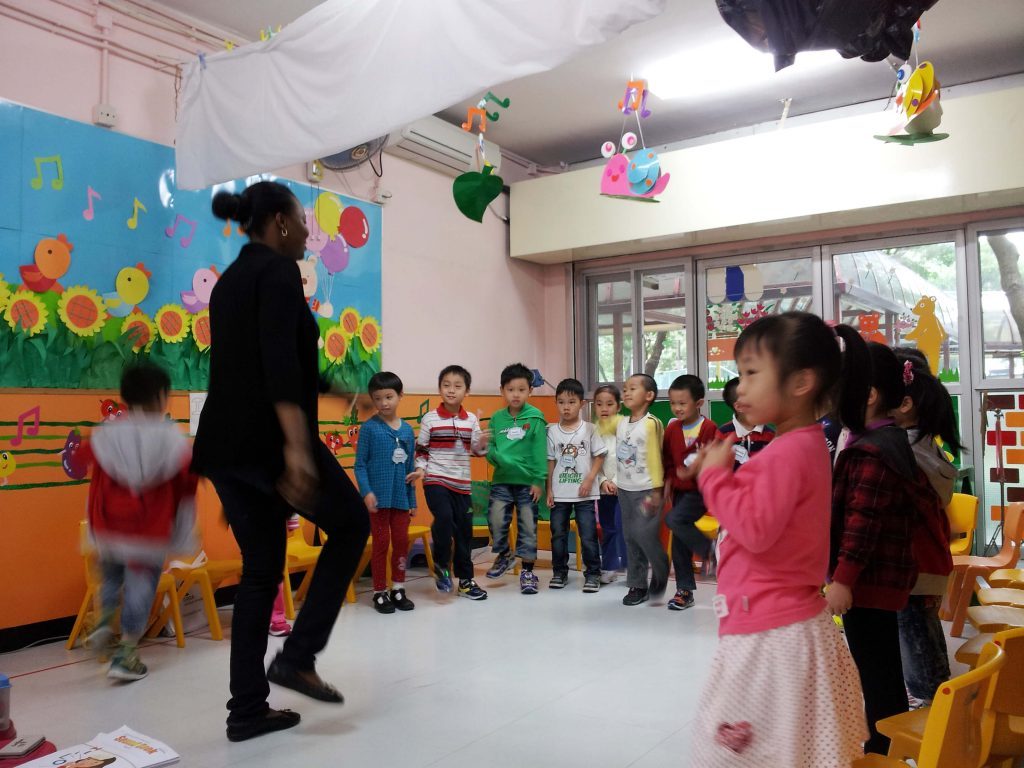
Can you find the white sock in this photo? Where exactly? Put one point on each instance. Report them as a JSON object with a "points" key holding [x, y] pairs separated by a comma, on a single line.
{"points": [[397, 585]]}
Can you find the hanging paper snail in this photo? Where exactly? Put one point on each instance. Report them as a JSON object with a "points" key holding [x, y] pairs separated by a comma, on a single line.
{"points": [[635, 176]]}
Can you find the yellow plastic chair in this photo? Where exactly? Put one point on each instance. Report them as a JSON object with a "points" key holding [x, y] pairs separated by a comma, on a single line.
{"points": [[90, 608], [300, 557], [955, 731], [1008, 702], [421, 532], [966, 570], [995, 618], [963, 517], [544, 540], [1007, 577], [208, 576], [708, 525]]}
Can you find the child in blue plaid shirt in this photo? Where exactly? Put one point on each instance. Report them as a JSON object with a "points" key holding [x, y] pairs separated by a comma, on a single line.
{"points": [[385, 472]]}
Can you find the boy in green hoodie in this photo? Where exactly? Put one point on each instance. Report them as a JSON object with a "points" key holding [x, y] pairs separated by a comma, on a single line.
{"points": [[518, 453]]}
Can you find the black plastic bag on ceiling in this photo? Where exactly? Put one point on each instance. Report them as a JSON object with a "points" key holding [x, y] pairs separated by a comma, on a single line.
{"points": [[870, 29]]}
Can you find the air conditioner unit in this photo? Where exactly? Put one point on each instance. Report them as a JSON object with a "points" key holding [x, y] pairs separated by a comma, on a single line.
{"points": [[437, 144]]}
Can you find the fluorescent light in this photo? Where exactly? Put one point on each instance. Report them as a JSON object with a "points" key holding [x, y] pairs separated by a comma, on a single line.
{"points": [[728, 66]]}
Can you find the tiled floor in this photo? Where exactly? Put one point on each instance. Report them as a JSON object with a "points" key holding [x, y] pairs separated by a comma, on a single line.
{"points": [[555, 679]]}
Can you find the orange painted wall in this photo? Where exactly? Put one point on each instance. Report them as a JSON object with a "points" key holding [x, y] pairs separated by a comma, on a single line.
{"points": [[41, 575]]}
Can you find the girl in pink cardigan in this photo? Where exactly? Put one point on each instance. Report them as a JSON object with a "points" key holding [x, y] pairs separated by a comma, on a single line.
{"points": [[783, 689]]}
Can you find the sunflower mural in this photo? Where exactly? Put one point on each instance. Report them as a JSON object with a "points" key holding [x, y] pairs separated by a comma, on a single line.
{"points": [[172, 323], [201, 330], [139, 331], [335, 344], [369, 334], [349, 322], [26, 312], [82, 311], [5, 293]]}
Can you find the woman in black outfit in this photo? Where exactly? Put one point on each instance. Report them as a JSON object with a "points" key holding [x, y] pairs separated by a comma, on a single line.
{"points": [[258, 442]]}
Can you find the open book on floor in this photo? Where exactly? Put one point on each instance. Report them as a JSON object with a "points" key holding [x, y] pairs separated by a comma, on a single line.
{"points": [[123, 748]]}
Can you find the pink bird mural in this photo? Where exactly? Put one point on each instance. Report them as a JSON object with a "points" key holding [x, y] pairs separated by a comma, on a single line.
{"points": [[198, 298]]}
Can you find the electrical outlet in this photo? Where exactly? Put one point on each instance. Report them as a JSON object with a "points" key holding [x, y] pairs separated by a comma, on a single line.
{"points": [[315, 171], [105, 115]]}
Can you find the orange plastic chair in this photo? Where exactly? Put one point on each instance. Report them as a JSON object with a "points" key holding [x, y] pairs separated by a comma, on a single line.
{"points": [[963, 518], [955, 731], [967, 569], [166, 588]]}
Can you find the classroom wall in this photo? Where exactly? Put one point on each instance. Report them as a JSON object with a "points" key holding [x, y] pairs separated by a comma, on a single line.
{"points": [[450, 294]]}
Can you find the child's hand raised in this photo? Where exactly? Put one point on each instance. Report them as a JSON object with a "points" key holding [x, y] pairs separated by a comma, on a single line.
{"points": [[415, 475], [718, 454]]}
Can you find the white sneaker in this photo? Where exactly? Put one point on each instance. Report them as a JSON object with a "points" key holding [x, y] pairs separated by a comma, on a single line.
{"points": [[607, 577]]}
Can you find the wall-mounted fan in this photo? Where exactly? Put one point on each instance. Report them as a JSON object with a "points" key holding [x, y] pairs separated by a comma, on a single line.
{"points": [[350, 158]]}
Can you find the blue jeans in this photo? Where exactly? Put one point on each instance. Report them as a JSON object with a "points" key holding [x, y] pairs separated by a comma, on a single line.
{"points": [[923, 646], [503, 499], [139, 582], [586, 524], [613, 544]]}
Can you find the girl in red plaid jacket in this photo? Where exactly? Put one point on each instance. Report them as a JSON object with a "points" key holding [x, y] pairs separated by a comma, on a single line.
{"points": [[879, 495]]}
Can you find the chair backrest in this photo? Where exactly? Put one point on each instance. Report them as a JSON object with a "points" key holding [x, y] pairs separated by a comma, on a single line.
{"points": [[963, 517], [960, 724], [1008, 698], [1013, 532], [92, 566]]}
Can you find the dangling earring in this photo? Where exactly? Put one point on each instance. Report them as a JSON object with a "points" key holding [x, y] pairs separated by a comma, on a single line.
{"points": [[284, 232]]}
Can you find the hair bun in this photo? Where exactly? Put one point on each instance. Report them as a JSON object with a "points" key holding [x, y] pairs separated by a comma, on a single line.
{"points": [[226, 205]]}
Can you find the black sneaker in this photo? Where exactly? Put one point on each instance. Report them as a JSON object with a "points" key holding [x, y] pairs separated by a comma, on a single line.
{"points": [[592, 583], [558, 581], [400, 601], [682, 600], [382, 603], [658, 586], [635, 596], [503, 562], [469, 588], [270, 721]]}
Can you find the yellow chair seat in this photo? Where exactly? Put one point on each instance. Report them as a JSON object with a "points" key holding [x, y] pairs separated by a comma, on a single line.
{"points": [[708, 525], [995, 618], [1002, 596], [906, 731], [208, 576], [1007, 577], [969, 652], [960, 546]]}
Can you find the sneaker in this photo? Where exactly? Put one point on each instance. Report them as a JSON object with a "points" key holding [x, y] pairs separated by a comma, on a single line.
{"points": [[635, 596], [558, 581], [502, 563], [267, 722], [400, 601], [528, 583], [442, 579], [682, 600], [915, 703], [127, 665], [592, 583], [607, 577], [382, 603], [280, 628], [469, 588]]}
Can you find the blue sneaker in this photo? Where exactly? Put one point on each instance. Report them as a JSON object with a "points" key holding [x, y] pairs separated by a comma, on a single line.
{"points": [[502, 563], [442, 579], [528, 583], [469, 588]]}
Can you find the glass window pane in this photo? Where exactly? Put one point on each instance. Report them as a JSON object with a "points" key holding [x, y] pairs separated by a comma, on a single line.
{"points": [[739, 295], [611, 328], [1002, 302], [664, 331], [904, 296]]}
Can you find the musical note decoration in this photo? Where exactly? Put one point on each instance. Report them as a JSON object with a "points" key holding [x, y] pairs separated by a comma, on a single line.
{"points": [[637, 176], [475, 190], [30, 430], [133, 220], [185, 241], [91, 194], [424, 409], [57, 182]]}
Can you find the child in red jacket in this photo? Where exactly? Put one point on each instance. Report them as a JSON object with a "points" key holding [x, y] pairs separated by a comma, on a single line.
{"points": [[879, 496], [684, 437], [141, 508]]}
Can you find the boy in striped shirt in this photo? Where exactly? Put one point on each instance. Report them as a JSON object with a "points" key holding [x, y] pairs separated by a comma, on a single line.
{"points": [[448, 437]]}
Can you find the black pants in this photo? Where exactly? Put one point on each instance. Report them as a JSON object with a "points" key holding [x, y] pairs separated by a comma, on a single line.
{"points": [[453, 519], [687, 541], [874, 639], [257, 516]]}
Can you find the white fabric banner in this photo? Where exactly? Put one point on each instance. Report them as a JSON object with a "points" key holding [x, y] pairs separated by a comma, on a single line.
{"points": [[351, 70]]}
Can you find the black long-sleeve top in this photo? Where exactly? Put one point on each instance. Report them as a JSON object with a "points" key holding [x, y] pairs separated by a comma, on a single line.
{"points": [[263, 351]]}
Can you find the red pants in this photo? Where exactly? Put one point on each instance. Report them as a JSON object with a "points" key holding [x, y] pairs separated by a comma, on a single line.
{"points": [[389, 527]]}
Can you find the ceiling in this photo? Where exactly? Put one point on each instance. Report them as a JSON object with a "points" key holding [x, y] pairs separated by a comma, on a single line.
{"points": [[564, 115]]}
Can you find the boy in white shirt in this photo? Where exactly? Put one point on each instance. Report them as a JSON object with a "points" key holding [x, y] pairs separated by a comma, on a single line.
{"points": [[575, 456]]}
